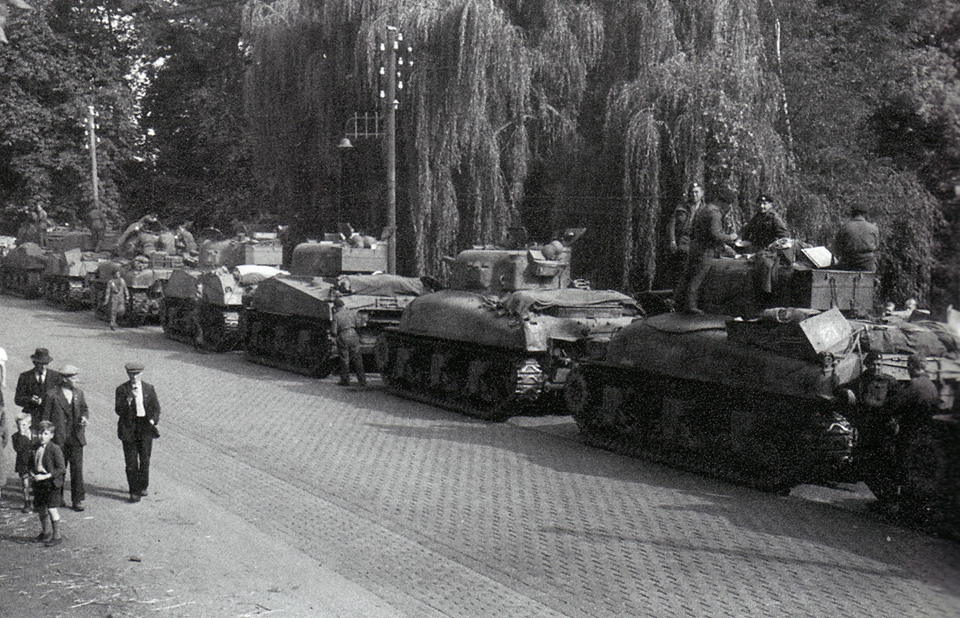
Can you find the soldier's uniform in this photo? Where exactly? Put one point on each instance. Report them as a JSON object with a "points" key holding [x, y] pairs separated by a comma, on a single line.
{"points": [[857, 244], [707, 240], [344, 329]]}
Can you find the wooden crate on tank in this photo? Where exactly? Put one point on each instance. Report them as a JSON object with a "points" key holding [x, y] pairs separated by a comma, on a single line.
{"points": [[263, 253], [356, 259], [849, 291]]}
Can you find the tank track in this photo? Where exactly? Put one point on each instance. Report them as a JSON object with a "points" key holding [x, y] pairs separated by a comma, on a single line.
{"points": [[220, 329], [289, 344], [825, 443], [485, 383], [65, 293]]}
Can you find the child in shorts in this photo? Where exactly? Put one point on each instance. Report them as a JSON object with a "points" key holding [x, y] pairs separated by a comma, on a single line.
{"points": [[49, 469], [24, 445]]}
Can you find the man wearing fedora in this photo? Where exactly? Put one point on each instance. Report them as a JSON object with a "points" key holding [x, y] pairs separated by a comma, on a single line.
{"points": [[138, 410], [32, 385], [66, 407]]}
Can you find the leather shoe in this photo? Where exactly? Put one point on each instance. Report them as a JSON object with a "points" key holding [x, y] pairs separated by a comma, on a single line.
{"points": [[54, 541], [43, 538], [78, 506]]}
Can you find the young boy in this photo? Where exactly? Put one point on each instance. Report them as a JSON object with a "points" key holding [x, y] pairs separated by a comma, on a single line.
{"points": [[48, 472], [24, 445]]}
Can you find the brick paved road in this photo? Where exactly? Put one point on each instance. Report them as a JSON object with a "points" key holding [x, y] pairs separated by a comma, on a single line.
{"points": [[437, 514]]}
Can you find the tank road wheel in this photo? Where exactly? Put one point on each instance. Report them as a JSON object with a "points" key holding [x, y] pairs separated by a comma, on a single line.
{"points": [[381, 354], [495, 388], [576, 393]]}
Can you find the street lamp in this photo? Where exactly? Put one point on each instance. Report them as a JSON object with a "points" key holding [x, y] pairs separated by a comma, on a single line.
{"points": [[344, 146]]}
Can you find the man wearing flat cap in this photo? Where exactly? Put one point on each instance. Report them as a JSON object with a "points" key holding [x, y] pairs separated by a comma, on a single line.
{"points": [[32, 385], [138, 410], [66, 407]]}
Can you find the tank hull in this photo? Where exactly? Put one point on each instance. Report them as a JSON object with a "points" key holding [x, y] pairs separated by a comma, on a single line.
{"points": [[288, 319], [678, 391]]}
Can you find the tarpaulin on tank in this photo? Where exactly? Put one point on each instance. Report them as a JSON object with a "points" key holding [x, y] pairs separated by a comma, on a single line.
{"points": [[525, 301], [182, 284], [26, 256], [904, 338], [253, 274], [289, 295], [380, 285], [709, 357]]}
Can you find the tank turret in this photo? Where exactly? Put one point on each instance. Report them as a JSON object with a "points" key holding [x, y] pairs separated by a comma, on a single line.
{"points": [[503, 337]]}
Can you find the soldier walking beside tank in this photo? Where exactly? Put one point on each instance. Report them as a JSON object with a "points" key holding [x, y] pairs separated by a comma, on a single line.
{"points": [[32, 385], [707, 240], [857, 242], [138, 412], [344, 328], [66, 407], [116, 298]]}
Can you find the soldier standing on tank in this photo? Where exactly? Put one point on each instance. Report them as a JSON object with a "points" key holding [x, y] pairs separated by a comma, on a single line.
{"points": [[680, 227], [344, 328], [857, 242], [707, 241]]}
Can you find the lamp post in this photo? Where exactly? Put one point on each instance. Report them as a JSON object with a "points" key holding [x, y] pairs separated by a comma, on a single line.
{"points": [[390, 144], [343, 147], [92, 132]]}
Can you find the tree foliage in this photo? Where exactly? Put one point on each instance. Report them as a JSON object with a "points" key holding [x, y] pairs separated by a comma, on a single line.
{"points": [[511, 98], [196, 162]]}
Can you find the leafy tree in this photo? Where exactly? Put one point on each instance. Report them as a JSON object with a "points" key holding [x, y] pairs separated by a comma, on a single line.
{"points": [[196, 162], [64, 58]]}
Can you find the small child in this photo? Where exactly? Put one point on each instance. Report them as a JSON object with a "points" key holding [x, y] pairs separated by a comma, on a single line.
{"points": [[24, 444], [49, 470]]}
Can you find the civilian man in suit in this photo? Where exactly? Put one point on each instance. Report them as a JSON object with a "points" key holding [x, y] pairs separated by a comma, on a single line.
{"points": [[32, 386], [139, 411], [66, 407]]}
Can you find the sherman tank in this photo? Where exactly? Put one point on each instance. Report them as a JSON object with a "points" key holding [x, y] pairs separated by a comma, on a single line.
{"points": [[68, 278], [202, 305], [793, 396], [21, 271], [288, 317], [501, 340]]}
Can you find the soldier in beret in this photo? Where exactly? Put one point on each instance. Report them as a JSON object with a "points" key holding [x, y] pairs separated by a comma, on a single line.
{"points": [[138, 412]]}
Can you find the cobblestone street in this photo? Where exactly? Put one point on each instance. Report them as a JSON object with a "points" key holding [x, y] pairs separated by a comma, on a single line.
{"points": [[382, 506]]}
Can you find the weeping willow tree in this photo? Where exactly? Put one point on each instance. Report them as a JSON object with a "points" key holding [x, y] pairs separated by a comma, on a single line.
{"points": [[496, 83], [698, 101], [624, 102]]}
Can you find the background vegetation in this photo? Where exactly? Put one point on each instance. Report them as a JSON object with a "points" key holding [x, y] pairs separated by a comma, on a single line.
{"points": [[548, 114]]}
